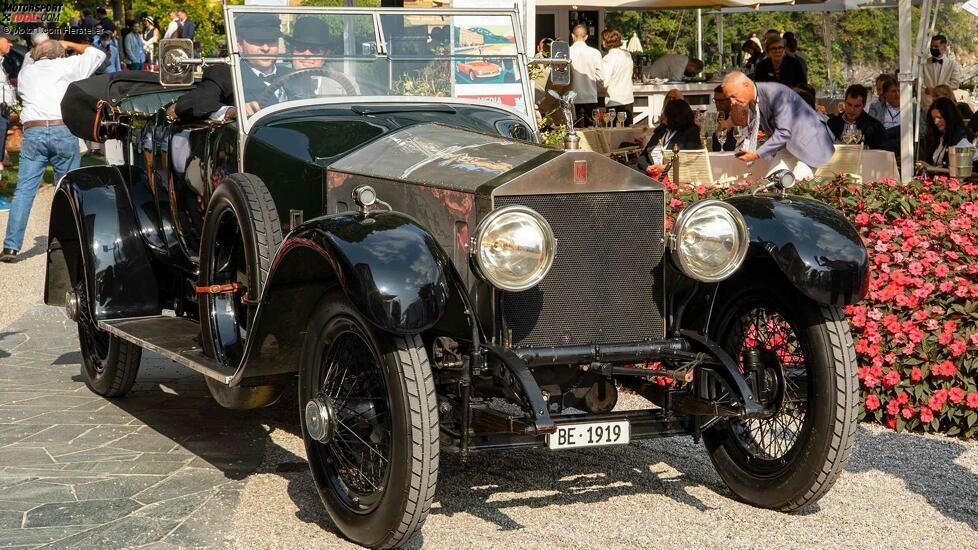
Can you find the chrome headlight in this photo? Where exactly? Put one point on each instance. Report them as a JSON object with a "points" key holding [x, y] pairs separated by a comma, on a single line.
{"points": [[514, 248], [709, 240]]}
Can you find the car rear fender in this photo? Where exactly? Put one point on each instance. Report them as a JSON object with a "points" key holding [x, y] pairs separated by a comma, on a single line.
{"points": [[93, 233], [814, 245], [391, 269]]}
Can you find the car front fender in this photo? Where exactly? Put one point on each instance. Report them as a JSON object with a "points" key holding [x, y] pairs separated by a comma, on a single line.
{"points": [[391, 269], [814, 245], [93, 234]]}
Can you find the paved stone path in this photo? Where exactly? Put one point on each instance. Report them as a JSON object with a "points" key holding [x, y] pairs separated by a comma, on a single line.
{"points": [[166, 467], [80, 471]]}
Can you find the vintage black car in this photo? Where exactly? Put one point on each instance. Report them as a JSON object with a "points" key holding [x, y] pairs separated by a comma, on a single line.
{"points": [[436, 280]]}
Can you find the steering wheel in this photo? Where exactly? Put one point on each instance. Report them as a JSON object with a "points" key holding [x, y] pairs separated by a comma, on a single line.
{"points": [[265, 98]]}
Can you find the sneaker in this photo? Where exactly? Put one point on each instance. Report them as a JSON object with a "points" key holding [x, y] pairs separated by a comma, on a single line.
{"points": [[8, 255]]}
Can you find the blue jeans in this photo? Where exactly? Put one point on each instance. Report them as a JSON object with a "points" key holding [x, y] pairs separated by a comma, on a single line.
{"points": [[42, 145], [4, 124]]}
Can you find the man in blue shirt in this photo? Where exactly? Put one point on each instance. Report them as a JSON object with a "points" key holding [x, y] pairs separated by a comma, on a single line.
{"points": [[135, 54]]}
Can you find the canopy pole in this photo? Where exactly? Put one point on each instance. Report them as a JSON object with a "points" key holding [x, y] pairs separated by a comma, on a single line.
{"points": [[720, 48], [906, 92], [923, 40], [699, 34], [827, 39]]}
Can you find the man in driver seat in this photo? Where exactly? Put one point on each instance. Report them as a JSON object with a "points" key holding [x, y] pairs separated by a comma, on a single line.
{"points": [[258, 40]]}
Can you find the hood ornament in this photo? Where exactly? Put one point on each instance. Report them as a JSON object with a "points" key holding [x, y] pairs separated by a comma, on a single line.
{"points": [[571, 139]]}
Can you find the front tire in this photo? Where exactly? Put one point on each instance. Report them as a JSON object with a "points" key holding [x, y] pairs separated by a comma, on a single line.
{"points": [[376, 472], [792, 457]]}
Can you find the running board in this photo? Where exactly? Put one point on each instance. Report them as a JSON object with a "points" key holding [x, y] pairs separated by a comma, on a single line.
{"points": [[176, 338]]}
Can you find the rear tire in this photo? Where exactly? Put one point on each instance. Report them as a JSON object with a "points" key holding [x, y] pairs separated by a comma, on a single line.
{"points": [[754, 457], [109, 363], [377, 472]]}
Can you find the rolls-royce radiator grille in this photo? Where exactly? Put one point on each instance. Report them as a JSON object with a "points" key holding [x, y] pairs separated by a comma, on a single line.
{"points": [[605, 285]]}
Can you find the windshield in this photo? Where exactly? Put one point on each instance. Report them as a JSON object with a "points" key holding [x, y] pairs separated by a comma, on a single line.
{"points": [[320, 53]]}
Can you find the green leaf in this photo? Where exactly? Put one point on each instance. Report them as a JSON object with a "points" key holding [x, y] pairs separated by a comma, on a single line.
{"points": [[972, 418]]}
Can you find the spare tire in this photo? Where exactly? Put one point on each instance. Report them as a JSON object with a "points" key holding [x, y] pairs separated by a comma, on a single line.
{"points": [[241, 234]]}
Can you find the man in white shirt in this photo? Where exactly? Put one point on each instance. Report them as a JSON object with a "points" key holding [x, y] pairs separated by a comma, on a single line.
{"points": [[675, 66], [174, 25], [41, 85], [585, 75], [939, 69]]}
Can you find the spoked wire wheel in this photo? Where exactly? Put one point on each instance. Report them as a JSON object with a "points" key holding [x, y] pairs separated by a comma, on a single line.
{"points": [[357, 456], [767, 349], [369, 424], [109, 363], [798, 357], [94, 343]]}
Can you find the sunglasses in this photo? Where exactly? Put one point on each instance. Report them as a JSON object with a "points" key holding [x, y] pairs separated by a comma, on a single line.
{"points": [[308, 49]]}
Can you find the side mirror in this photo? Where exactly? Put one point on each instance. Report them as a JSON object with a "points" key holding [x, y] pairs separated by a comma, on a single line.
{"points": [[176, 62], [560, 75]]}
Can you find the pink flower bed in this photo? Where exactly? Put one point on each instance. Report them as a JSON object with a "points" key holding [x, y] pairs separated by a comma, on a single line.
{"points": [[916, 332]]}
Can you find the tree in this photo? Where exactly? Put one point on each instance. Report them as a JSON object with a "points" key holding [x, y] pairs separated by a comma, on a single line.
{"points": [[864, 42]]}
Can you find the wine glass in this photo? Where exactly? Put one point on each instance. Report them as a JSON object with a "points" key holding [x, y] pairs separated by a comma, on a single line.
{"points": [[849, 133], [594, 116], [857, 136], [610, 117], [722, 134], [622, 115]]}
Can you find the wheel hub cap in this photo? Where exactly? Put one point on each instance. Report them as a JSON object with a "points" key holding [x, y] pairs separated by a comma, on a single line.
{"points": [[320, 419], [72, 305]]}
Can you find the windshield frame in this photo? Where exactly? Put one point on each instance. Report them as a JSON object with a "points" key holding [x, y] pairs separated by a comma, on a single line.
{"points": [[234, 57]]}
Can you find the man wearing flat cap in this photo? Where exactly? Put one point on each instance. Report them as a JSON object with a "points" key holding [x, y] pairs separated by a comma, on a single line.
{"points": [[258, 40]]}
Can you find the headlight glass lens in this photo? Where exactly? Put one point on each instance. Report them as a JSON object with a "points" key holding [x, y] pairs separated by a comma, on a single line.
{"points": [[710, 241], [515, 248]]}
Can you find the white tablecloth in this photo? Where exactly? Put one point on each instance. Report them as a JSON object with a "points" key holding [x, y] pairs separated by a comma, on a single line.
{"points": [[876, 165]]}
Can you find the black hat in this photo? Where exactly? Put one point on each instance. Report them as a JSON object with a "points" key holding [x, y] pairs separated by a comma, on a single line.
{"points": [[310, 30], [257, 26]]}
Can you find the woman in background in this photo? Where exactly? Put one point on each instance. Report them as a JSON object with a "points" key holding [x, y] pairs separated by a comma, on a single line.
{"points": [[616, 75], [943, 90], [678, 127], [945, 128], [151, 36]]}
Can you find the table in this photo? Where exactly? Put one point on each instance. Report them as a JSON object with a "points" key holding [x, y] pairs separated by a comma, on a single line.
{"points": [[876, 165]]}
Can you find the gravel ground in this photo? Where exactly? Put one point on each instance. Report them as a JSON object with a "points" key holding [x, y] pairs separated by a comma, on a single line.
{"points": [[22, 282], [899, 490]]}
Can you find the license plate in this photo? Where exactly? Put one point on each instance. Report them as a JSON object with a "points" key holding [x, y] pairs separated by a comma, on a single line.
{"points": [[591, 434]]}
